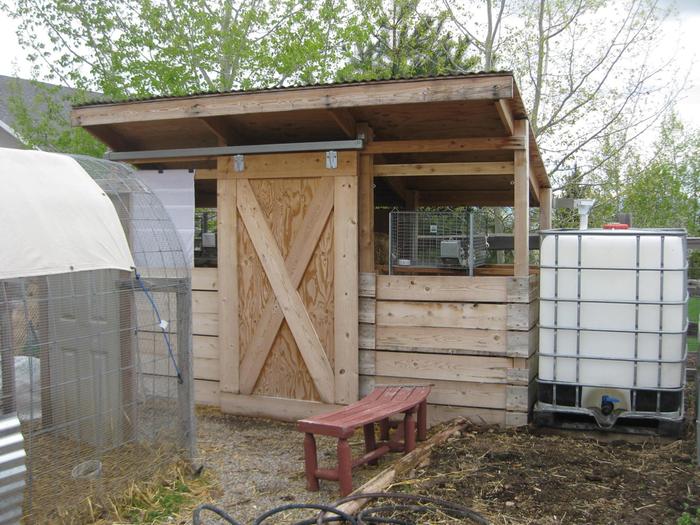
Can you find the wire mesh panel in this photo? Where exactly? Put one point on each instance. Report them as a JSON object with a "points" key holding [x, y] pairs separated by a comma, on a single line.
{"points": [[97, 364], [454, 240]]}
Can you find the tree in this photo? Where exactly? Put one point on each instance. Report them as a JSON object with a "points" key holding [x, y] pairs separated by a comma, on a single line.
{"points": [[150, 47], [43, 123], [586, 68], [397, 39]]}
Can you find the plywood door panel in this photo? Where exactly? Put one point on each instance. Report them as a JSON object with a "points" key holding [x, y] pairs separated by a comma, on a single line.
{"points": [[295, 231]]}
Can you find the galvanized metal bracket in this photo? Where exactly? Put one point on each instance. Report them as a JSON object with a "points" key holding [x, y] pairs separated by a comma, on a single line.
{"points": [[332, 159], [238, 162]]}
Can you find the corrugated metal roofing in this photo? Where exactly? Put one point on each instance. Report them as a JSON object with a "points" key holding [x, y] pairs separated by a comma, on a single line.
{"points": [[295, 86]]}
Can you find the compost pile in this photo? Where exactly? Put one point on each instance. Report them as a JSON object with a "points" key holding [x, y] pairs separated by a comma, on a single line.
{"points": [[520, 477]]}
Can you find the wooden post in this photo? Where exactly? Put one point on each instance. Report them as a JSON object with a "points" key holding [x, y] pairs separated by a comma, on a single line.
{"points": [[346, 290], [545, 208], [370, 441], [185, 389], [227, 262], [366, 204], [521, 209]]}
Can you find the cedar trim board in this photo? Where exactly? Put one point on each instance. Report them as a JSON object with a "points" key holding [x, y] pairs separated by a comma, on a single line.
{"points": [[465, 368], [443, 168], [489, 316], [345, 287], [378, 93], [457, 393], [488, 289], [367, 284], [450, 341], [284, 166], [445, 145], [205, 279], [280, 408], [206, 393]]}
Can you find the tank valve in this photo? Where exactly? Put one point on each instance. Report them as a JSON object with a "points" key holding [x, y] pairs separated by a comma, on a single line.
{"points": [[607, 404]]}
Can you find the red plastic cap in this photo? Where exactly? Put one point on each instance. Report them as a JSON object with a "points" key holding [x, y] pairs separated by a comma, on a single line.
{"points": [[616, 226]]}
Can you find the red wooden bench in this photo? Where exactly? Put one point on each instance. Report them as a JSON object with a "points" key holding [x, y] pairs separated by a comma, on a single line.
{"points": [[382, 403]]}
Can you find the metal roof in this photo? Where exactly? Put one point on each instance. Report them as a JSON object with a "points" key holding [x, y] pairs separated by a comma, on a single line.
{"points": [[99, 102]]}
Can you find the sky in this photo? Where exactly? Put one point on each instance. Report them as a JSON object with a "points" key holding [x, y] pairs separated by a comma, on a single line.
{"points": [[681, 38]]}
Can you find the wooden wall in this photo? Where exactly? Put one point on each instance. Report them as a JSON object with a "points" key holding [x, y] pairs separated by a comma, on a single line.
{"points": [[474, 338], [205, 331]]}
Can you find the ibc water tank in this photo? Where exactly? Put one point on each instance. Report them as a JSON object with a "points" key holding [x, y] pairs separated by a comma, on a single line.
{"points": [[613, 315]]}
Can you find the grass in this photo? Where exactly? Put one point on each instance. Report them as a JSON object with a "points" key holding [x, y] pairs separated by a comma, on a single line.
{"points": [[693, 313], [173, 496]]}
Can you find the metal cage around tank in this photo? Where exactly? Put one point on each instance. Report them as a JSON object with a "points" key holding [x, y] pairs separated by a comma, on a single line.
{"points": [[658, 399]]}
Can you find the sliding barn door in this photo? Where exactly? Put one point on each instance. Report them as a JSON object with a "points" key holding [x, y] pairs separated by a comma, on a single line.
{"points": [[288, 272]]}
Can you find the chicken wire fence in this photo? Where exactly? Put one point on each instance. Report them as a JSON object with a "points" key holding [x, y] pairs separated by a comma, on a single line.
{"points": [[97, 364], [426, 239]]}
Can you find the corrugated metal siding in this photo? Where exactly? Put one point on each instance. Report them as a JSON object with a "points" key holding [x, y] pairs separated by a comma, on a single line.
{"points": [[12, 469]]}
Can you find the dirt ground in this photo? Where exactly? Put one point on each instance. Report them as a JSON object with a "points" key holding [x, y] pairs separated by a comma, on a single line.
{"points": [[259, 464], [527, 477], [510, 477]]}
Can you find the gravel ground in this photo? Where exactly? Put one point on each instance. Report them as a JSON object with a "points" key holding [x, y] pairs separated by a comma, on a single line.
{"points": [[259, 464]]}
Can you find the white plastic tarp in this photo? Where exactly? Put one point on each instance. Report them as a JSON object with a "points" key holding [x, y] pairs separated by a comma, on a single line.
{"points": [[175, 189], [54, 218]]}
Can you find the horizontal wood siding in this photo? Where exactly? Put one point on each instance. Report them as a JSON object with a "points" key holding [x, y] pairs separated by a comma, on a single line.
{"points": [[472, 338], [205, 340]]}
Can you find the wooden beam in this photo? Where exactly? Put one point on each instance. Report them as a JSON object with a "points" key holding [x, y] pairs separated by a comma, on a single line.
{"points": [[345, 289], [505, 114], [377, 93], [534, 184], [466, 198], [443, 168], [366, 205], [346, 122], [446, 145], [545, 208], [521, 209], [227, 279], [297, 261], [290, 302], [226, 133]]}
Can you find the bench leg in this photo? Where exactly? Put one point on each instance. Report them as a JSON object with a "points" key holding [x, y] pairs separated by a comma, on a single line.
{"points": [[370, 441], [409, 432], [384, 429], [344, 467], [423, 421], [310, 461]]}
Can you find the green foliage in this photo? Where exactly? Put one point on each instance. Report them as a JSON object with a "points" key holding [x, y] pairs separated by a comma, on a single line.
{"points": [[688, 518], [397, 39], [43, 122], [150, 47], [659, 190]]}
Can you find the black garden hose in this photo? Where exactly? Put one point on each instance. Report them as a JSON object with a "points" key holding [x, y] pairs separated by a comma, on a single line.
{"points": [[332, 514]]}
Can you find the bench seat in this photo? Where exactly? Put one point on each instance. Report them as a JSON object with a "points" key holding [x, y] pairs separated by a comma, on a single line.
{"points": [[382, 403]]}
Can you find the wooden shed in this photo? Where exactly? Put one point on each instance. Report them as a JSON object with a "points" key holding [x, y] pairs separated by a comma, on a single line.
{"points": [[299, 316]]}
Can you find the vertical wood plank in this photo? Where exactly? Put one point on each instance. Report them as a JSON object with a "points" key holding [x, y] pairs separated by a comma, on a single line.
{"points": [[521, 215], [366, 204], [346, 289], [545, 208], [226, 217]]}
